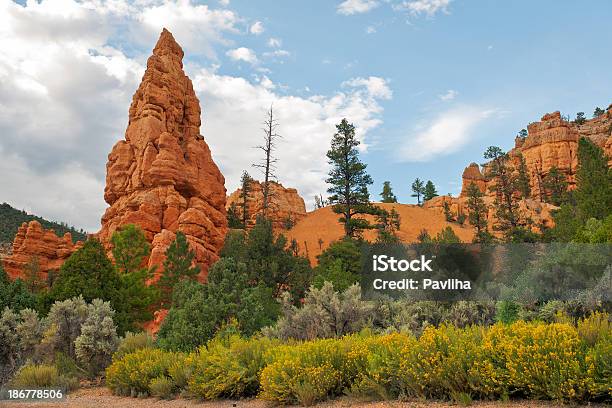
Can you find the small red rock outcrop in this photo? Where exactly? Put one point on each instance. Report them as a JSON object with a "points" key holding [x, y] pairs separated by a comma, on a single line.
{"points": [[286, 206], [551, 142], [162, 176], [34, 244]]}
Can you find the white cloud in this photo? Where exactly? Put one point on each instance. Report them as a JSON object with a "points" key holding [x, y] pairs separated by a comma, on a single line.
{"points": [[449, 95], [277, 53], [257, 28], [234, 109], [446, 134], [242, 54], [376, 87], [427, 7], [275, 43], [370, 30], [224, 3], [349, 7]]}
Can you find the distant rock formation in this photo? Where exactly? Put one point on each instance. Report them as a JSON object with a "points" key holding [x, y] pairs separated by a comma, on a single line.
{"points": [[551, 142], [35, 245], [286, 206], [162, 176]]}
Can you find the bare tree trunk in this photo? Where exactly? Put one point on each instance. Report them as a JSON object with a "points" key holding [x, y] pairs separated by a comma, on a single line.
{"points": [[268, 163]]}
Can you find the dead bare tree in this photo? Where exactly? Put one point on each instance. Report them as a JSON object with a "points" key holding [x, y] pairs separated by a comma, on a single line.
{"points": [[268, 164]]}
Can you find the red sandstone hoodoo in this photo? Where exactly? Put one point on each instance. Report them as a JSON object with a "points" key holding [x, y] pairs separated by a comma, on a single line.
{"points": [[162, 176]]}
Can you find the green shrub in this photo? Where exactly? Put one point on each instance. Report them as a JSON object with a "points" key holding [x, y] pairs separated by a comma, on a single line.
{"points": [[507, 312], [229, 368], [132, 342], [594, 327], [132, 374], [42, 376], [161, 387], [599, 368]]}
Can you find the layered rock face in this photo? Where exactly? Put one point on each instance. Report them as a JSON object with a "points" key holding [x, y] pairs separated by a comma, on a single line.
{"points": [[162, 176], [551, 142], [35, 245], [286, 206]]}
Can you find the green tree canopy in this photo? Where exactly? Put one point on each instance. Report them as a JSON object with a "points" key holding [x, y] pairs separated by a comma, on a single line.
{"points": [[429, 191], [339, 264], [387, 193], [130, 248], [178, 265], [418, 189], [593, 181]]}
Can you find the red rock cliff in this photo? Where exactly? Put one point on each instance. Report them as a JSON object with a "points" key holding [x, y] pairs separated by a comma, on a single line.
{"points": [[285, 204], [551, 142], [32, 244], [162, 176]]}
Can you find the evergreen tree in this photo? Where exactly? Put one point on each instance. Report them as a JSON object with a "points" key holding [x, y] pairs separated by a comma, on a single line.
{"points": [[580, 118], [506, 207], [522, 178], [555, 186], [448, 215], [245, 189], [477, 213], [598, 112], [339, 264], [15, 295], [349, 180], [130, 248], [594, 181], [418, 189], [387, 224], [387, 193], [32, 275], [430, 191], [233, 218], [522, 133], [178, 265]]}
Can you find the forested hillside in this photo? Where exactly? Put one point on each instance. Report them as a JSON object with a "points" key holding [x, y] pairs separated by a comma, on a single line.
{"points": [[11, 219]]}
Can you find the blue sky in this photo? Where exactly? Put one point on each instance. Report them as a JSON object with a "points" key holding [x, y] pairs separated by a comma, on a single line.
{"points": [[429, 84]]}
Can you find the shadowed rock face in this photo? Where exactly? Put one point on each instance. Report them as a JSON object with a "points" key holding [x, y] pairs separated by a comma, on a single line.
{"points": [[286, 205], [162, 176], [551, 142], [34, 244]]}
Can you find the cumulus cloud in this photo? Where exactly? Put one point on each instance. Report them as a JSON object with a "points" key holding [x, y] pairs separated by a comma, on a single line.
{"points": [[445, 134], [350, 7], [257, 28], [448, 95], [243, 54], [376, 87], [423, 7]]}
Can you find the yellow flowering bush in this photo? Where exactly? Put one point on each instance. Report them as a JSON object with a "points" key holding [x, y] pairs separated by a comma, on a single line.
{"points": [[229, 368], [599, 368], [132, 374]]}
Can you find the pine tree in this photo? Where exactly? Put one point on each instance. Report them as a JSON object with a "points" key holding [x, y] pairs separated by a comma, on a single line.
{"points": [[387, 193], [448, 215], [555, 186], [245, 189], [349, 180], [387, 224], [178, 265], [522, 178], [32, 275], [418, 189], [580, 118], [130, 247], [598, 112], [477, 213], [430, 191], [505, 204], [233, 218], [594, 181]]}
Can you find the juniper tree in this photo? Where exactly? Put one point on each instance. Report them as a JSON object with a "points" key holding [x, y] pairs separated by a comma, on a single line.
{"points": [[598, 112], [555, 186], [387, 224], [430, 191], [349, 180], [477, 213], [418, 189], [506, 207], [522, 178], [387, 193], [580, 118]]}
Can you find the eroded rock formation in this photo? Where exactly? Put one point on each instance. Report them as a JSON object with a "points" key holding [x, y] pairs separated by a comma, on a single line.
{"points": [[286, 206], [162, 176], [551, 142], [40, 249]]}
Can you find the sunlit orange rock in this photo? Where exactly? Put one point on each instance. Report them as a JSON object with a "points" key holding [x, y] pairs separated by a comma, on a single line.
{"points": [[286, 206], [34, 245], [162, 176]]}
